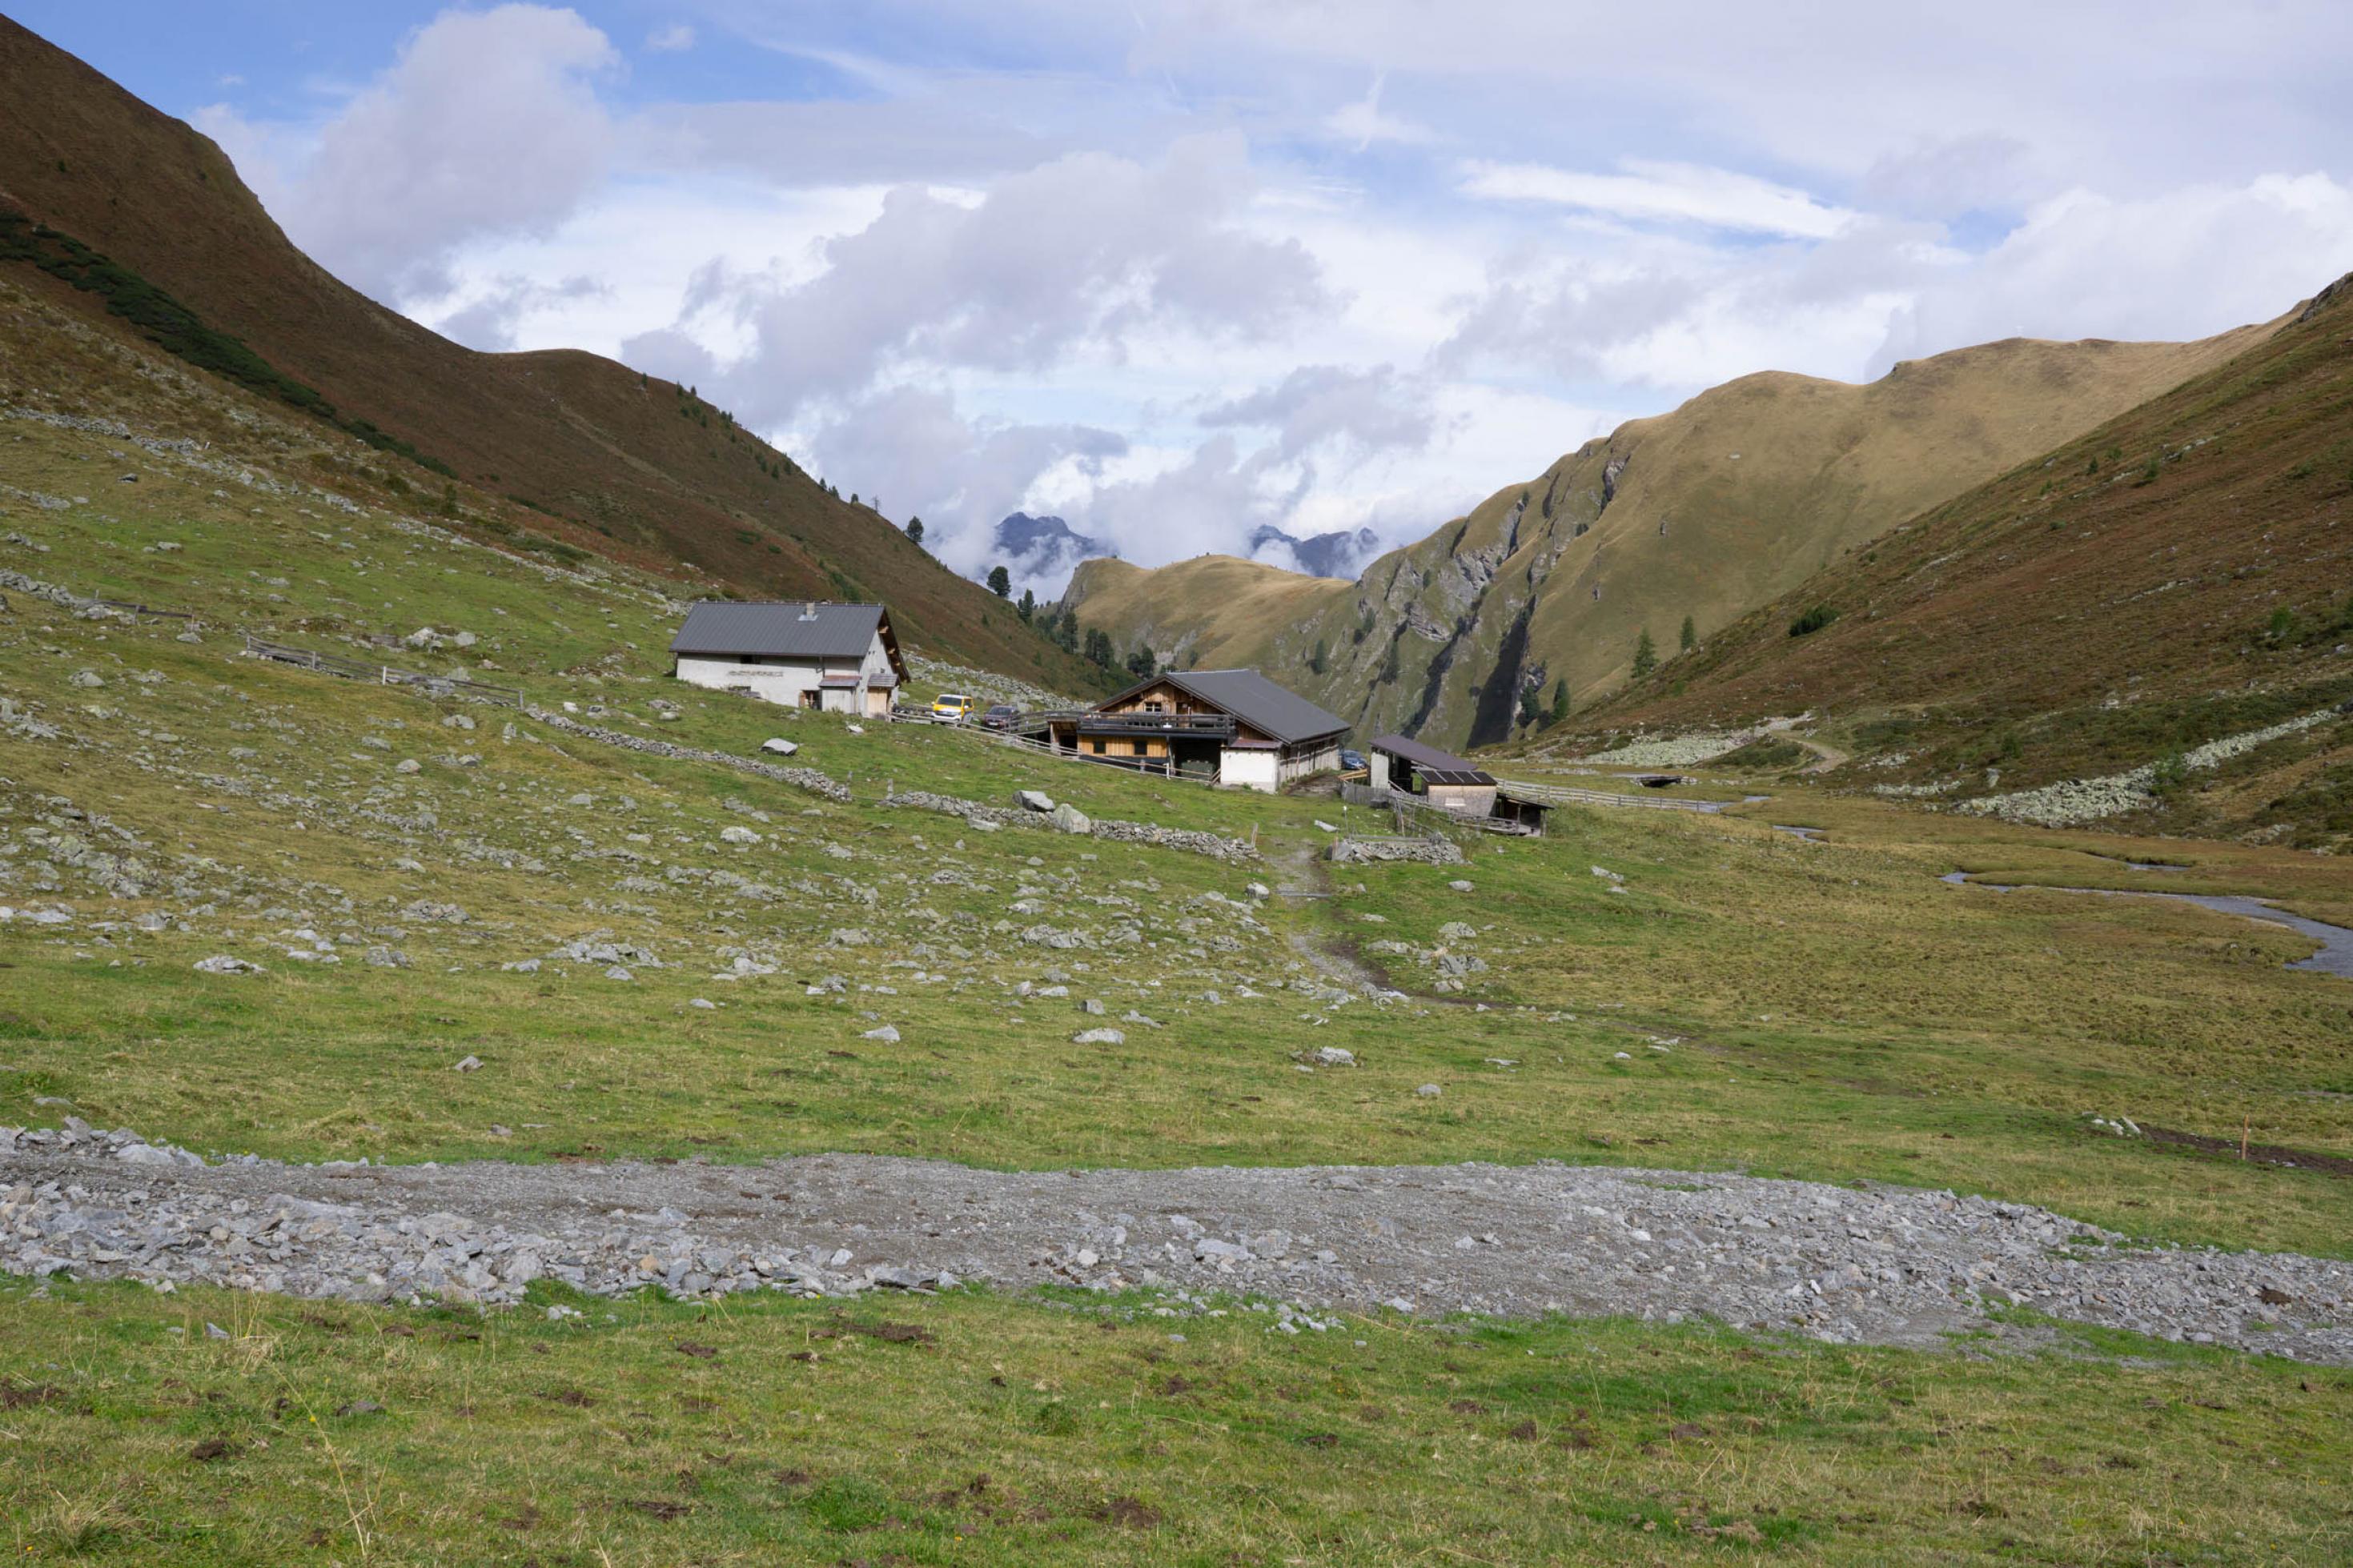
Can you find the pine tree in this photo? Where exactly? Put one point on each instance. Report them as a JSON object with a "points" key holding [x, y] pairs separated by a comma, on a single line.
{"points": [[1690, 635], [1560, 699], [914, 526], [1531, 706], [1316, 660], [1000, 581], [1646, 655], [1027, 608]]}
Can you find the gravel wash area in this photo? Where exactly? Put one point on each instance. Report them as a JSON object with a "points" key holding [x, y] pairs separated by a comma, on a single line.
{"points": [[1876, 1265]]}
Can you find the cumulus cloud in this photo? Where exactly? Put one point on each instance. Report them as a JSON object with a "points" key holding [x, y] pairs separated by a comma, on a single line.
{"points": [[1131, 266], [489, 318], [486, 124], [959, 473], [2182, 263], [1676, 316], [1082, 251], [1318, 404]]}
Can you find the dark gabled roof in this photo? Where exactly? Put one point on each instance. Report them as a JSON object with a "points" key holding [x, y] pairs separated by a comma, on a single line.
{"points": [[794, 629], [1250, 698], [1424, 758]]}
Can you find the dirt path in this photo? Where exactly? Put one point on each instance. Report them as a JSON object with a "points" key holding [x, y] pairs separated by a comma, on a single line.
{"points": [[1847, 1264], [1827, 757]]}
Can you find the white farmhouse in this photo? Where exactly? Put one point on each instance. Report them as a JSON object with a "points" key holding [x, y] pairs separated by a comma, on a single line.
{"points": [[841, 658]]}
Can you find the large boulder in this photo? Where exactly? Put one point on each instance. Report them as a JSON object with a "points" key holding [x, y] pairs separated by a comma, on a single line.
{"points": [[778, 746], [1034, 800], [1070, 819]]}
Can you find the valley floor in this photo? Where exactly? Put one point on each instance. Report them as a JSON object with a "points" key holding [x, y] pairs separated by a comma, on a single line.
{"points": [[575, 1001]]}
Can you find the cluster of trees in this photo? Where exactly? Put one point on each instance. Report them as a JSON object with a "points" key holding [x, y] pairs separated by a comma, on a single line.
{"points": [[1533, 712], [1646, 652]]}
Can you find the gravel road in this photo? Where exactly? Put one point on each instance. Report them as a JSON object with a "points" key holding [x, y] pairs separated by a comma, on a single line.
{"points": [[1880, 1266]]}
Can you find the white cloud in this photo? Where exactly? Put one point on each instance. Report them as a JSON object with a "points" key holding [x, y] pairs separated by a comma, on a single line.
{"points": [[1081, 252], [1716, 198], [1131, 266], [1315, 404], [490, 318], [486, 124], [959, 474], [2184, 264], [1363, 124], [676, 38]]}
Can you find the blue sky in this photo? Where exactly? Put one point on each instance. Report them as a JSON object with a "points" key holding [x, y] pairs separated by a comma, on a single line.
{"points": [[1177, 268]]}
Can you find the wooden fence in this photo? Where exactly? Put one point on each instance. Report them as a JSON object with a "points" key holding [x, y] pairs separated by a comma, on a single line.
{"points": [[382, 674], [1411, 809]]}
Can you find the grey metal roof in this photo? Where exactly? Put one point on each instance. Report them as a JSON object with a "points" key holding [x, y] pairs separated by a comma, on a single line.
{"points": [[1424, 758], [1258, 702], [1455, 776], [794, 629]]}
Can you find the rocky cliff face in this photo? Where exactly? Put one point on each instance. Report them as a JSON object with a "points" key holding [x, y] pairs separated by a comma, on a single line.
{"points": [[1733, 499]]}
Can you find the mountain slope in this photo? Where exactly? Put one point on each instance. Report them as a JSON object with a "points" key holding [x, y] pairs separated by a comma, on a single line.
{"points": [[610, 461], [1728, 501], [2181, 574]]}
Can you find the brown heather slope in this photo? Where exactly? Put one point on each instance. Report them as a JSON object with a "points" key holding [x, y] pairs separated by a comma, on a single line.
{"points": [[2180, 574], [630, 467], [1728, 501]]}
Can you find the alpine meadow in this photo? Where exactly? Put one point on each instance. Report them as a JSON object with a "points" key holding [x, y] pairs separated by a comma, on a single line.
{"points": [[1671, 887]]}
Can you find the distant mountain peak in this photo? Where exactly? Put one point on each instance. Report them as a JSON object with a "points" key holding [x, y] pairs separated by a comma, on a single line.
{"points": [[1334, 555], [1045, 547]]}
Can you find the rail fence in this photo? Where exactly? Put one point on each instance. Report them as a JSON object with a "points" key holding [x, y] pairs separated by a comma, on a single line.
{"points": [[382, 674], [1409, 809]]}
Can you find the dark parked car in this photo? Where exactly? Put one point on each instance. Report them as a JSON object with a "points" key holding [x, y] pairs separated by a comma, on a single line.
{"points": [[1352, 762], [1003, 716]]}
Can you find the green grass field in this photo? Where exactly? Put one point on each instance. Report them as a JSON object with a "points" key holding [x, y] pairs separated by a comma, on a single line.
{"points": [[969, 1429], [1727, 999]]}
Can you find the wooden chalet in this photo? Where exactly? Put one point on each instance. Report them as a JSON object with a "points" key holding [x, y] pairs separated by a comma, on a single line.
{"points": [[1232, 726]]}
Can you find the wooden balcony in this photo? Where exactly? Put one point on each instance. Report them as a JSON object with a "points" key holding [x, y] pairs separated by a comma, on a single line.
{"points": [[1204, 726]]}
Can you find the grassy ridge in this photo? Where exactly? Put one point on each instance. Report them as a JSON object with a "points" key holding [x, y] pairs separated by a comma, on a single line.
{"points": [[2174, 576]]}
